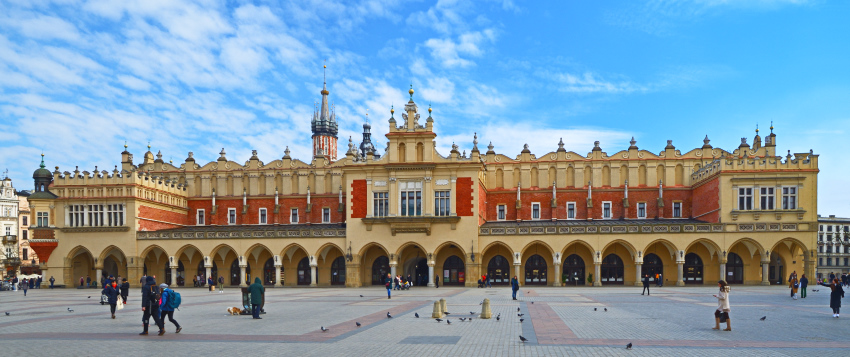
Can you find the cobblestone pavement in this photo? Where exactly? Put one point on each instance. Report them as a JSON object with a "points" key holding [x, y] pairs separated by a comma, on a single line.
{"points": [[558, 321]]}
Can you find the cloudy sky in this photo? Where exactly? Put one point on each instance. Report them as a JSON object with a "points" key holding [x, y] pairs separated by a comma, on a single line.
{"points": [[79, 78]]}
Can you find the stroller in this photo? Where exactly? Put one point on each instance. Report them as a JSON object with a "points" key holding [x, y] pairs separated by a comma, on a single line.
{"points": [[104, 299]]}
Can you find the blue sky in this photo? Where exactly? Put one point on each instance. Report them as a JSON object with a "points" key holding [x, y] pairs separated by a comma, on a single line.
{"points": [[78, 78]]}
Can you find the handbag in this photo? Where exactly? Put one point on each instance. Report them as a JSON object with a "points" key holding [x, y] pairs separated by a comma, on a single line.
{"points": [[120, 304]]}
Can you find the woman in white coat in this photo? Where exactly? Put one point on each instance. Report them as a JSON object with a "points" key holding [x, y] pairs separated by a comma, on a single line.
{"points": [[722, 312]]}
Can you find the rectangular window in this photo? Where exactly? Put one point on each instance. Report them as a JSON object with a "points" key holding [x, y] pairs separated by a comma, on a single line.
{"points": [[326, 215], [42, 219], [500, 212], [231, 216], [381, 204], [535, 210], [571, 210], [829, 228], [95, 215], [766, 196], [26, 254], [25, 221], [789, 198], [821, 228], [293, 216], [845, 261], [76, 215], [9, 230], [677, 209], [829, 249], [25, 234], [828, 261], [200, 217], [442, 203], [820, 261], [410, 193], [641, 210], [745, 198], [115, 215], [263, 216], [606, 210]]}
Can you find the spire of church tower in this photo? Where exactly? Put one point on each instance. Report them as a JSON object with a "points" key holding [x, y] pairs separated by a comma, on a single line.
{"points": [[324, 125]]}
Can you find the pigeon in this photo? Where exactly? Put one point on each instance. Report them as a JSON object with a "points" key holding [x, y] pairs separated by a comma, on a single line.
{"points": [[523, 339], [7, 314], [416, 314], [532, 302], [447, 313], [762, 318], [323, 329], [388, 315], [358, 324], [469, 319], [520, 315], [462, 319], [521, 320], [448, 321], [439, 320], [606, 309], [70, 310], [498, 318], [89, 297], [629, 346], [517, 309], [472, 313], [361, 295], [594, 309]]}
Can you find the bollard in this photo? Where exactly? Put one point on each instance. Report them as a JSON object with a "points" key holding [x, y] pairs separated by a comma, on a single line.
{"points": [[443, 305], [438, 311], [485, 310]]}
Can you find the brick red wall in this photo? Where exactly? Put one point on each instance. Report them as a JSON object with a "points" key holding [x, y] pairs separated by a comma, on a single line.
{"points": [[254, 205], [167, 219], [358, 199], [464, 196], [706, 199]]}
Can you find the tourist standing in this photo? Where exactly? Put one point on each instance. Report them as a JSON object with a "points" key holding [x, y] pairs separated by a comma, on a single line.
{"points": [[793, 285], [723, 309], [15, 283], [437, 281], [25, 285], [514, 286], [488, 281], [125, 290], [804, 282], [220, 284], [52, 281], [645, 284], [111, 297], [256, 289], [389, 285], [88, 281], [82, 281], [659, 280], [150, 306], [835, 296], [210, 284], [164, 308]]}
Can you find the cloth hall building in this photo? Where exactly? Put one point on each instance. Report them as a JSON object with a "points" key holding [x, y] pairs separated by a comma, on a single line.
{"points": [[557, 218]]}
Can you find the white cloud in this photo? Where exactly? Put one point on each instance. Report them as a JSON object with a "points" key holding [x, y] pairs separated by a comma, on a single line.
{"points": [[42, 27], [134, 83], [449, 51]]}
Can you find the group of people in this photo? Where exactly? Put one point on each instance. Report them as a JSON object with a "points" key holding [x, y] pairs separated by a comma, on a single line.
{"points": [[113, 291], [844, 279], [25, 284], [399, 282], [211, 284], [484, 282], [155, 303], [798, 285]]}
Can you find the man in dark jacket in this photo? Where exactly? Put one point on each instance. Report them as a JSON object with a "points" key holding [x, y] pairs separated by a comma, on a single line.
{"points": [[645, 284], [804, 282], [88, 281], [150, 306], [125, 290], [514, 286], [256, 290], [52, 280], [111, 296]]}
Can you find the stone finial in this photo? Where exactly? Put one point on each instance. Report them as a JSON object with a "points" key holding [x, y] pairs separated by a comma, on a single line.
{"points": [[490, 147], [632, 144], [475, 140], [454, 147], [159, 155], [669, 145], [191, 156], [744, 143], [705, 143], [596, 146], [525, 148], [561, 145], [222, 153], [350, 145], [254, 155], [286, 152]]}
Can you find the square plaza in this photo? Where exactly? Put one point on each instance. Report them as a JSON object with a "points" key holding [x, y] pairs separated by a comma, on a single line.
{"points": [[561, 321]]}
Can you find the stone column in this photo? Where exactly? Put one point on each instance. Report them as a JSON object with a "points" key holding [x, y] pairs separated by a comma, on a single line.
{"points": [[597, 268], [680, 280], [313, 274], [277, 275], [173, 276], [516, 274], [431, 274], [765, 265], [209, 273], [97, 275], [558, 274], [393, 266], [723, 269], [638, 275], [242, 275]]}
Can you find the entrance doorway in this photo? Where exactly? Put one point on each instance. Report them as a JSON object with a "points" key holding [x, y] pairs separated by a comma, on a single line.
{"points": [[535, 270], [454, 271], [499, 271], [612, 270], [338, 271], [380, 269], [304, 277], [574, 270], [734, 269], [693, 269], [652, 265]]}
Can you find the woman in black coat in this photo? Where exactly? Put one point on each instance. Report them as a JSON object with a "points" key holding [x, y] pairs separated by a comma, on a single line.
{"points": [[835, 296], [125, 291], [112, 297]]}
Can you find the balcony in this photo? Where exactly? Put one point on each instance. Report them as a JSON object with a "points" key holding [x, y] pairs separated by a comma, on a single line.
{"points": [[10, 239]]}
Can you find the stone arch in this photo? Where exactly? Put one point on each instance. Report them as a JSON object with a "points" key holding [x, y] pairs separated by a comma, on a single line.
{"points": [[542, 243], [412, 261], [712, 247], [552, 176], [709, 253], [81, 264], [642, 175], [571, 271], [792, 241], [624, 174], [370, 245], [660, 174], [606, 176], [442, 253], [118, 266], [500, 178], [629, 247], [571, 176], [680, 175], [499, 275], [406, 245], [369, 253], [155, 262], [791, 252], [326, 273], [751, 253], [536, 264], [150, 248], [753, 247], [626, 253], [671, 249], [256, 256], [402, 152]]}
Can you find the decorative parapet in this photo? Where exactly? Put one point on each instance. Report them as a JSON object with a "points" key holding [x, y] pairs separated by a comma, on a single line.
{"points": [[705, 172], [410, 224], [617, 228], [250, 233], [93, 229]]}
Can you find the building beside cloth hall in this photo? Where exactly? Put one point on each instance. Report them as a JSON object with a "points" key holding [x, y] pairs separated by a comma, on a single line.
{"points": [[555, 217]]}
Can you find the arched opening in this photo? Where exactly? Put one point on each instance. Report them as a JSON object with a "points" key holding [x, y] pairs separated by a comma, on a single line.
{"points": [[776, 271], [402, 152], [574, 270], [660, 175], [588, 176], [156, 263], [606, 176], [235, 272], [380, 269], [304, 275], [693, 269], [338, 271], [734, 269], [268, 272], [420, 152], [413, 263], [680, 175], [200, 272], [536, 270], [181, 273], [642, 175], [499, 271], [535, 179], [571, 176], [612, 270], [652, 265], [82, 265], [624, 175], [500, 178], [454, 271]]}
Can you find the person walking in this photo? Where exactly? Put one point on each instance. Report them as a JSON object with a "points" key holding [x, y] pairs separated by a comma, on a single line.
{"points": [[487, 281], [15, 283], [835, 296], [514, 286], [88, 281], [408, 280], [660, 280], [793, 284], [210, 284], [82, 281], [124, 290], [164, 308], [723, 309], [220, 284], [25, 285], [52, 281], [111, 297], [389, 285], [645, 284], [256, 290], [804, 282], [150, 306]]}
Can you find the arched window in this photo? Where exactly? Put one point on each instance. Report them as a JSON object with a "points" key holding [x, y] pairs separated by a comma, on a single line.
{"points": [[420, 152], [380, 269], [499, 271], [268, 272], [574, 270], [338, 271], [402, 152], [734, 269], [612, 270], [202, 272], [304, 271], [652, 265], [235, 272], [693, 269], [214, 272], [535, 270], [454, 271]]}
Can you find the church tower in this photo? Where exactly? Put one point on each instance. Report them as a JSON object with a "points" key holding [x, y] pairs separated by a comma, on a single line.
{"points": [[324, 127]]}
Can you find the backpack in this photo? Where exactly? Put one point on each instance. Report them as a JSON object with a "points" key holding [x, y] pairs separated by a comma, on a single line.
{"points": [[173, 301], [153, 296]]}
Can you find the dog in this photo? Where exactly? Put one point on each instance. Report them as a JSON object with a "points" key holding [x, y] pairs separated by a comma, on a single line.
{"points": [[234, 310]]}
